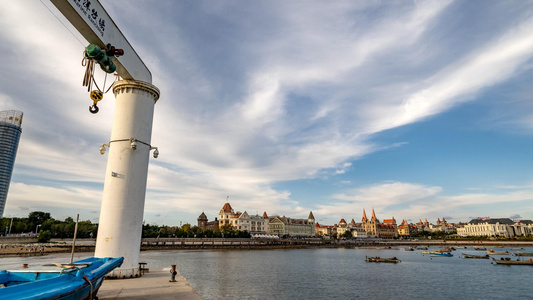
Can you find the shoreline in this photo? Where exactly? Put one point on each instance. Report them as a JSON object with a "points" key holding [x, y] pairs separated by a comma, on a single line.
{"points": [[35, 249]]}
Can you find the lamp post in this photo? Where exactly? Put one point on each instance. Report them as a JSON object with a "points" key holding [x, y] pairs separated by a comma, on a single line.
{"points": [[37, 228]]}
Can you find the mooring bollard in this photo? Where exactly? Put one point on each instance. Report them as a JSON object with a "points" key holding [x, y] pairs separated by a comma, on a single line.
{"points": [[173, 274]]}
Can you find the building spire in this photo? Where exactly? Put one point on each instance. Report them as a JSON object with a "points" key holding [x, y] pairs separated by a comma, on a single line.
{"points": [[364, 216], [373, 215]]}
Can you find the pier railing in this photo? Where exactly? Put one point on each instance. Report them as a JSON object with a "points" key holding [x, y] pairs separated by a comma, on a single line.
{"points": [[230, 241]]}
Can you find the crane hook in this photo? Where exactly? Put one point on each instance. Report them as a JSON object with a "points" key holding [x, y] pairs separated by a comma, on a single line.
{"points": [[93, 109], [96, 95]]}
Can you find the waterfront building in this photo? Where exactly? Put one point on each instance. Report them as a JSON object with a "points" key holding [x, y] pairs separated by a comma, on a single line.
{"points": [[441, 226], [284, 226], [359, 232], [406, 229], [422, 226], [370, 226], [342, 228], [374, 228], [225, 215], [10, 131], [254, 224], [388, 229], [497, 227], [202, 221], [323, 230]]}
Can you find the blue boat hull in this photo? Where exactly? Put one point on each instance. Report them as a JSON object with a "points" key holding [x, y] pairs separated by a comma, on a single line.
{"points": [[58, 283], [435, 254]]}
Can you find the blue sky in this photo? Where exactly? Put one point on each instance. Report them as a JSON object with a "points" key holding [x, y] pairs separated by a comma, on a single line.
{"points": [[418, 109]]}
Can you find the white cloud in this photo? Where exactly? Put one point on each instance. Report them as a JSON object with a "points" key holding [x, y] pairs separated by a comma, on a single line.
{"points": [[37, 197], [249, 98], [414, 201]]}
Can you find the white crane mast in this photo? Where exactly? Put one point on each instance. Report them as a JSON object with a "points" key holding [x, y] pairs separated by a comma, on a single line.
{"points": [[121, 214]]}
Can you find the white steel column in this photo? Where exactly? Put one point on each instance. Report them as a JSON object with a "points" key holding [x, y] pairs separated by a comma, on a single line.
{"points": [[121, 214]]}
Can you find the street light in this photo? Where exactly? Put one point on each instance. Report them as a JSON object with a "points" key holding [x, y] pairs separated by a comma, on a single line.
{"points": [[37, 228]]}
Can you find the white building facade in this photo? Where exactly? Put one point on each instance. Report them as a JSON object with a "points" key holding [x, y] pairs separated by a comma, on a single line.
{"points": [[496, 228]]}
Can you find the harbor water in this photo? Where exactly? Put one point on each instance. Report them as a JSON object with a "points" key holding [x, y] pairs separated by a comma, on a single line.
{"points": [[334, 273]]}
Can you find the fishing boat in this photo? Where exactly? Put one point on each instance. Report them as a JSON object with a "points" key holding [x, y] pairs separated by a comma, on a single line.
{"points": [[78, 280], [523, 253], [445, 250], [446, 254], [475, 256], [492, 252], [385, 260], [508, 261]]}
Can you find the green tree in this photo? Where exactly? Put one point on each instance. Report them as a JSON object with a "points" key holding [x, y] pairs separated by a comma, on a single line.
{"points": [[347, 234], [44, 236], [38, 218]]}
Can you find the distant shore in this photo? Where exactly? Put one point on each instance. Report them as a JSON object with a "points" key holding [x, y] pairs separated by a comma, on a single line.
{"points": [[39, 249], [35, 249]]}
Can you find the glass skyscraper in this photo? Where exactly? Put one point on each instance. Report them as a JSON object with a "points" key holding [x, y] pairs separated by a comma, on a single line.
{"points": [[10, 130]]}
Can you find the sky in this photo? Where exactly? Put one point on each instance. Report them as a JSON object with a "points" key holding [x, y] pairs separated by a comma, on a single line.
{"points": [[416, 109]]}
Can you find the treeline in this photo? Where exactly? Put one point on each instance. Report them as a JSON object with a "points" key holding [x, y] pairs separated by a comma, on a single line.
{"points": [[226, 231], [48, 227]]}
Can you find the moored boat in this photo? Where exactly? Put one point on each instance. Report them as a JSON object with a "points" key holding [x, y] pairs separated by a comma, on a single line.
{"points": [[523, 253], [446, 254], [508, 261], [425, 252], [444, 250], [79, 280], [480, 248], [492, 252], [385, 260], [475, 256]]}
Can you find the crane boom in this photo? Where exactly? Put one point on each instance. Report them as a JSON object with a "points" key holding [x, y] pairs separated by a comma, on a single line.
{"points": [[96, 26]]}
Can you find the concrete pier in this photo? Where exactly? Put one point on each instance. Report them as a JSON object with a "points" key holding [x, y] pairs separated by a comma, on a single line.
{"points": [[152, 285]]}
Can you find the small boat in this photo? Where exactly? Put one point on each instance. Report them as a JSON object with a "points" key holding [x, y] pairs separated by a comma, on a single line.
{"points": [[460, 247], [79, 280], [516, 249], [410, 249], [508, 261], [425, 252], [385, 260], [446, 254], [492, 252], [480, 248], [446, 250], [523, 253], [422, 248], [475, 256]]}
